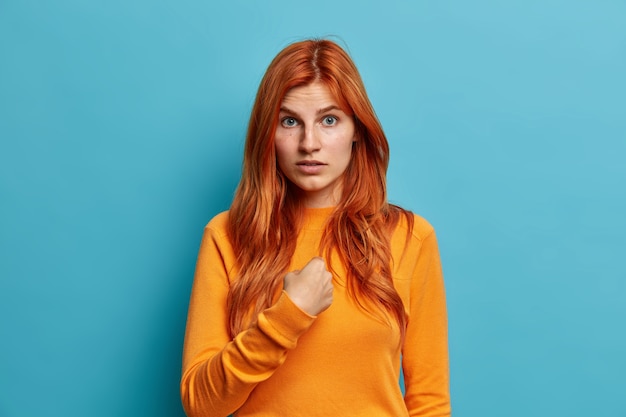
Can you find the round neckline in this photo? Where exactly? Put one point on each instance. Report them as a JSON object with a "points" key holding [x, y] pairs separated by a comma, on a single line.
{"points": [[314, 218]]}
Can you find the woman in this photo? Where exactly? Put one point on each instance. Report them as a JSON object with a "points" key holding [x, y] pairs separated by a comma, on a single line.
{"points": [[312, 290]]}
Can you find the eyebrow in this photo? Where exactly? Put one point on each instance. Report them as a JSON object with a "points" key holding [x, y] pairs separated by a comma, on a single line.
{"points": [[320, 111]]}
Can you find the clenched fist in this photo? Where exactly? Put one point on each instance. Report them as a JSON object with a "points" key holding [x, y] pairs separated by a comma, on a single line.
{"points": [[310, 288]]}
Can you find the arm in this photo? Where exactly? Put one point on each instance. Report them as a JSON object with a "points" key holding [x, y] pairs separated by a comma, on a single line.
{"points": [[425, 352], [219, 373]]}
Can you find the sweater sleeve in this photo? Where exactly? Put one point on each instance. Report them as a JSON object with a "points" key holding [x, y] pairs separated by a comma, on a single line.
{"points": [[425, 352], [219, 373]]}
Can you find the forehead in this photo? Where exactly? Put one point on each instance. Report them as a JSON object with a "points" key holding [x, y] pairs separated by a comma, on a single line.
{"points": [[310, 95]]}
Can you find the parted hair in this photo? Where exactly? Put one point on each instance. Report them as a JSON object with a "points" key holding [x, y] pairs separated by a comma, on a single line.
{"points": [[265, 214]]}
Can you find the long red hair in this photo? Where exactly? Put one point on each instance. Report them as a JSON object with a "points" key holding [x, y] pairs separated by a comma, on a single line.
{"points": [[265, 214]]}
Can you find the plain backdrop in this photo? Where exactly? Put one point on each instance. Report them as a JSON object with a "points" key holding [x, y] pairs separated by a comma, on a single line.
{"points": [[121, 132]]}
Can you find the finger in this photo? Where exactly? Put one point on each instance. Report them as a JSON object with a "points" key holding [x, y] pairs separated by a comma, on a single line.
{"points": [[316, 260]]}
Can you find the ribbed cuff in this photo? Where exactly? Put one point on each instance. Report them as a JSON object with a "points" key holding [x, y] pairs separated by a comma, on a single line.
{"points": [[285, 321]]}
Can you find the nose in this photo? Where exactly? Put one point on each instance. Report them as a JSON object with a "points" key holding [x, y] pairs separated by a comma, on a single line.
{"points": [[310, 141]]}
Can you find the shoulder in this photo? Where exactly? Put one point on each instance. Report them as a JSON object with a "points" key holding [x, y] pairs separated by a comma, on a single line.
{"points": [[218, 225], [421, 227], [418, 227]]}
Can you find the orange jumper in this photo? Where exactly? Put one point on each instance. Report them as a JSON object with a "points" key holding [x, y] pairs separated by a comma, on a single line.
{"points": [[343, 362]]}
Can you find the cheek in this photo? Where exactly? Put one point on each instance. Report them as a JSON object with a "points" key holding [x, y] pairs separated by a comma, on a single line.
{"points": [[347, 147], [282, 152]]}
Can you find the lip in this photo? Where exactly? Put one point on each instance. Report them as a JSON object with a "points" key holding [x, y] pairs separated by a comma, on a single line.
{"points": [[309, 162], [310, 166]]}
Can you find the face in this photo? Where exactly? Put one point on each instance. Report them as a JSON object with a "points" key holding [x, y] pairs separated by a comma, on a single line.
{"points": [[313, 143]]}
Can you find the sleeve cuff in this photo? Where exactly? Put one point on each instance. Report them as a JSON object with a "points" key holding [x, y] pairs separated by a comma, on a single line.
{"points": [[285, 321]]}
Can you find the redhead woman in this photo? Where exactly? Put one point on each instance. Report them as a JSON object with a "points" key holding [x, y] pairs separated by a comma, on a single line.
{"points": [[313, 292]]}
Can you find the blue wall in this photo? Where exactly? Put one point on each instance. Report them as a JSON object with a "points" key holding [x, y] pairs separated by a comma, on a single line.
{"points": [[121, 130]]}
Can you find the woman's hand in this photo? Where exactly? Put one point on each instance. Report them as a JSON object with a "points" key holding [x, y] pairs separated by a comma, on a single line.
{"points": [[310, 288]]}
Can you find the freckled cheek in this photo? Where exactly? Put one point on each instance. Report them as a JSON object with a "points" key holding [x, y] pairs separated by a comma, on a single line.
{"points": [[284, 144], [284, 151]]}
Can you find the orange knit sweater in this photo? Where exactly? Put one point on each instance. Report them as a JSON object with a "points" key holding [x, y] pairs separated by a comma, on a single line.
{"points": [[342, 362]]}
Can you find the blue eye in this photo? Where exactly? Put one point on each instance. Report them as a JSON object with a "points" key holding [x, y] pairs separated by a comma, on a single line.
{"points": [[329, 120], [289, 122]]}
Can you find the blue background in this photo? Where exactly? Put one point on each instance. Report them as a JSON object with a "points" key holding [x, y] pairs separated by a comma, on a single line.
{"points": [[122, 125]]}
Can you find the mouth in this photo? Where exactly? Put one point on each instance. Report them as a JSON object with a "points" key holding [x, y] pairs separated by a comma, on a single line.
{"points": [[310, 167], [310, 163]]}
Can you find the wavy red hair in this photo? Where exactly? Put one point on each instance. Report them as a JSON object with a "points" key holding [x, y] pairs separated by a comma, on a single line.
{"points": [[264, 216]]}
